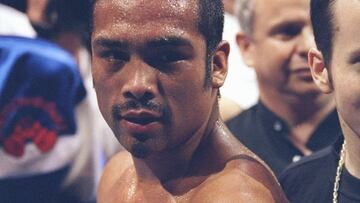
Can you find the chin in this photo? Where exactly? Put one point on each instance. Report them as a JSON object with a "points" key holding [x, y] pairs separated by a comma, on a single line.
{"points": [[140, 151], [305, 92]]}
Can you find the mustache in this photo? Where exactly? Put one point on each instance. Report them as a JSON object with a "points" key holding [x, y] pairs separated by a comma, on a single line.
{"points": [[118, 109]]}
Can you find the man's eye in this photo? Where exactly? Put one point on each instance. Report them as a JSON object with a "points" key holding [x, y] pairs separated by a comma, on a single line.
{"points": [[170, 57], [288, 32], [115, 56], [355, 60]]}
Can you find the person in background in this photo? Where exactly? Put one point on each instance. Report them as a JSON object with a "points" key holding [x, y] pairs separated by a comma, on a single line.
{"points": [[333, 174], [157, 68], [292, 118], [39, 92], [66, 24]]}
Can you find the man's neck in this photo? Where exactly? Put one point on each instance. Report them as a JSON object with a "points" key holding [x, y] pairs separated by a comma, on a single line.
{"points": [[296, 110], [302, 115], [169, 165], [175, 163]]}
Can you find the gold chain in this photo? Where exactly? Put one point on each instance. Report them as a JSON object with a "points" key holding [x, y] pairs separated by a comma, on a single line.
{"points": [[338, 173]]}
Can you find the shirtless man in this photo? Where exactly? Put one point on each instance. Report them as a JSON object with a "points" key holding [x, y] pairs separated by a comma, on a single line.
{"points": [[158, 66]]}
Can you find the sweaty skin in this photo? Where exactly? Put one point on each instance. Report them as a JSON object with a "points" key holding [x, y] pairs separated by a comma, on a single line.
{"points": [[244, 178], [149, 70]]}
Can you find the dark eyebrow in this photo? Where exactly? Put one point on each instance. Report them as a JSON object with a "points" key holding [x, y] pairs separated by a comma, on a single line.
{"points": [[109, 43], [289, 22], [168, 41], [354, 56]]}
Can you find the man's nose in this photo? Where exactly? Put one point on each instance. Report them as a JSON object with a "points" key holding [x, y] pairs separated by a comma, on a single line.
{"points": [[141, 82]]}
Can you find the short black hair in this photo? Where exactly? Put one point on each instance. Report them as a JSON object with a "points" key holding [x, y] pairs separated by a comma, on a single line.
{"points": [[322, 19], [210, 25]]}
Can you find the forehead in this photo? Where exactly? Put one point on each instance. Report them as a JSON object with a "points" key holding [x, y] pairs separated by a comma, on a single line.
{"points": [[346, 22], [145, 18], [280, 10]]}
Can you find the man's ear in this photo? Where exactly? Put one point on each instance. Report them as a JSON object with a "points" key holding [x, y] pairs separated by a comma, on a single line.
{"points": [[319, 72], [245, 43], [220, 64]]}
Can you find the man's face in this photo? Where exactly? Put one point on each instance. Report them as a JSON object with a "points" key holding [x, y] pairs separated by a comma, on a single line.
{"points": [[345, 64], [281, 37], [149, 72]]}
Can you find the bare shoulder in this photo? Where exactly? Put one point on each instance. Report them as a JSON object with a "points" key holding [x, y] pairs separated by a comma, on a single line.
{"points": [[232, 187], [117, 165], [114, 170], [242, 180], [259, 172]]}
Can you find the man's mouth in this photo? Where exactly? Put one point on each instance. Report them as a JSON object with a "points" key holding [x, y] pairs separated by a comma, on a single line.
{"points": [[141, 122]]}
